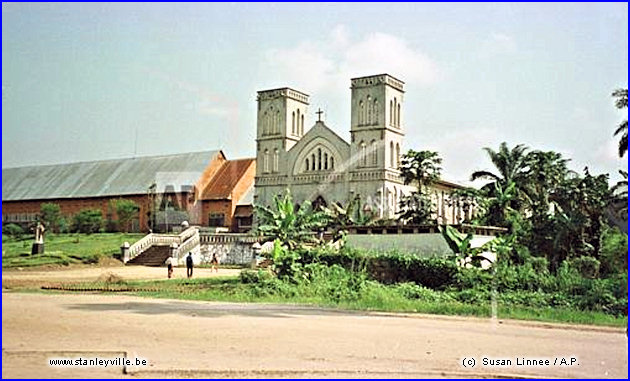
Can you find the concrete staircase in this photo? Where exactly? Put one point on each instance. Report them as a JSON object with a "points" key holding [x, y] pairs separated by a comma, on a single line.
{"points": [[153, 249], [155, 255]]}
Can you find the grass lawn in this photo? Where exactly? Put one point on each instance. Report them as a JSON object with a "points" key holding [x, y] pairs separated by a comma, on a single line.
{"points": [[230, 289], [64, 249]]}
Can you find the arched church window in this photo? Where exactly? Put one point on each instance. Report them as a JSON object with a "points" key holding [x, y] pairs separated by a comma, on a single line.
{"points": [[397, 155], [264, 123], [298, 118], [398, 115], [266, 161], [319, 159], [325, 161], [302, 125], [395, 201], [391, 113], [307, 166], [276, 160], [373, 152], [293, 122], [277, 123], [363, 154], [395, 117], [332, 162], [270, 116], [368, 119], [312, 162], [391, 154], [375, 120], [361, 106]]}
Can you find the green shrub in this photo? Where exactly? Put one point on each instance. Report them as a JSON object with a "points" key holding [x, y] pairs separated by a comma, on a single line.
{"points": [[539, 264], [254, 276], [613, 252], [588, 267], [474, 278], [88, 221], [50, 214], [415, 292], [12, 230], [390, 267]]}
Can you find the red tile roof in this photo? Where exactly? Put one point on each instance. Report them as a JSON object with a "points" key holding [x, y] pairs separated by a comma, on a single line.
{"points": [[226, 178]]}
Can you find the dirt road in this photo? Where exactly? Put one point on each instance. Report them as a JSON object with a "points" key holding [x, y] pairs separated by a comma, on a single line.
{"points": [[16, 278], [202, 339]]}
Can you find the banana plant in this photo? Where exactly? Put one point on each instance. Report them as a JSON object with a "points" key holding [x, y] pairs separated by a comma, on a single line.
{"points": [[460, 244]]}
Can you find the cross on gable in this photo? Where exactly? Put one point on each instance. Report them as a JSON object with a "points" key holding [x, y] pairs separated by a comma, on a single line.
{"points": [[319, 114]]}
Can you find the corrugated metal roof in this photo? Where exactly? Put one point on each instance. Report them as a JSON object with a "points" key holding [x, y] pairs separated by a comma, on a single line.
{"points": [[104, 178], [225, 180], [248, 197]]}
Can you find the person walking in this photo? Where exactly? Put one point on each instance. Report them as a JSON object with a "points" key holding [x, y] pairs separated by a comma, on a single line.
{"points": [[169, 265], [189, 265], [214, 262]]}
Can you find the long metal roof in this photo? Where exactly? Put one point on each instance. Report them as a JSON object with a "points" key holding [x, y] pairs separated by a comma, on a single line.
{"points": [[104, 178]]}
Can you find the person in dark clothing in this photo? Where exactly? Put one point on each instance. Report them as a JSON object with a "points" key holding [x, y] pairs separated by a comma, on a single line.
{"points": [[189, 265]]}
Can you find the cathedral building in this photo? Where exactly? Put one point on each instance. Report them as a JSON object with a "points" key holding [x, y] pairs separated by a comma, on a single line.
{"points": [[318, 165]]}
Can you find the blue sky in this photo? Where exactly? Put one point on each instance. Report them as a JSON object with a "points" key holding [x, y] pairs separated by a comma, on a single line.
{"points": [[78, 80]]}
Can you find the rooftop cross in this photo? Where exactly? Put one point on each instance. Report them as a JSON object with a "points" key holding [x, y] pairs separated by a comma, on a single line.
{"points": [[319, 114]]}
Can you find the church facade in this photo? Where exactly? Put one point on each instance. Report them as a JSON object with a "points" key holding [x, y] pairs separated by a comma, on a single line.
{"points": [[320, 166]]}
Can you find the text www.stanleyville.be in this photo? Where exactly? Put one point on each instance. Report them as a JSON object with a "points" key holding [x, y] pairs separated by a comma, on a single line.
{"points": [[97, 362]]}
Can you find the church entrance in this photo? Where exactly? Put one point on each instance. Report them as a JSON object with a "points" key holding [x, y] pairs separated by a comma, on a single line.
{"points": [[319, 203]]}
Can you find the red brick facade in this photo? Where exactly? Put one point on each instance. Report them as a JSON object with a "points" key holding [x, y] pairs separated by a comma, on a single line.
{"points": [[220, 187]]}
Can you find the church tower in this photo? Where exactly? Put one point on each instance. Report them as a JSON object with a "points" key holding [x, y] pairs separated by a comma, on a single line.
{"points": [[377, 126], [280, 125], [377, 134]]}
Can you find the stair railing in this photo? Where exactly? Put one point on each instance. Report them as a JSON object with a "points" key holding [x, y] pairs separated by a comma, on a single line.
{"points": [[164, 240]]}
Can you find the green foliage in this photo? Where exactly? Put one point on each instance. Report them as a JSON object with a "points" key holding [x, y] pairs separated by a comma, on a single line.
{"points": [[460, 244], [254, 276], [619, 202], [64, 249], [284, 262], [12, 230], [88, 221], [621, 102], [588, 267], [389, 267], [510, 165], [614, 252], [292, 227], [126, 211], [416, 208], [420, 168], [340, 218], [50, 215]]}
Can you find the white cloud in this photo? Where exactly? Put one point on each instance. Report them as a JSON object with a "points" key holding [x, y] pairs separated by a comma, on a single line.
{"points": [[322, 65], [384, 53], [462, 152], [498, 43]]}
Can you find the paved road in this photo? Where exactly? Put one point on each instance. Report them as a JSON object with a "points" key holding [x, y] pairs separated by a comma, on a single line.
{"points": [[201, 339]]}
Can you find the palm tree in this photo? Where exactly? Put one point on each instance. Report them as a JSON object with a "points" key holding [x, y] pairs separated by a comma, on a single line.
{"points": [[290, 225], [544, 173], [510, 164], [421, 168], [499, 204], [622, 102]]}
